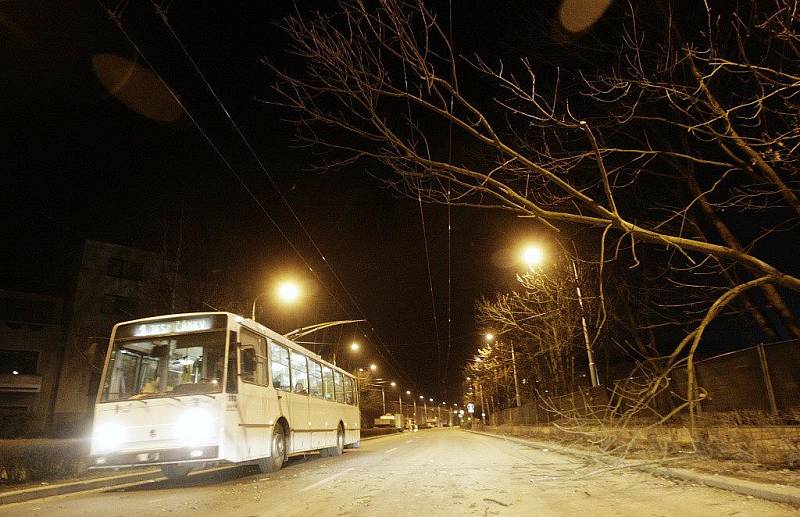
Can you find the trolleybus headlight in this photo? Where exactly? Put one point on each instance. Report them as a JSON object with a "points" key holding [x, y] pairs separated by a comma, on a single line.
{"points": [[107, 437], [195, 425]]}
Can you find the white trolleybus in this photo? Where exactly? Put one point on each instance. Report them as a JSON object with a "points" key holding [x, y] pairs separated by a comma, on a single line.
{"points": [[185, 390]]}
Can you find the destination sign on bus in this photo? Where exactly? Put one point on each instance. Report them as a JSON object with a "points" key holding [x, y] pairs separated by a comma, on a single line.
{"points": [[171, 326]]}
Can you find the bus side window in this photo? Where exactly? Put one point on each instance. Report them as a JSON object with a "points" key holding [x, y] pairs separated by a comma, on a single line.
{"points": [[280, 367], [348, 390], [299, 373], [315, 379], [337, 375], [327, 382]]}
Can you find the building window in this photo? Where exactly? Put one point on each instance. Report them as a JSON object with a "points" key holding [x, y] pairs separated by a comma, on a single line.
{"points": [[124, 305], [18, 362], [126, 269]]}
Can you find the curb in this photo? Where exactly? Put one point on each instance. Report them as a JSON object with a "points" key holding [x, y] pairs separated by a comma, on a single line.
{"points": [[777, 494], [26, 494]]}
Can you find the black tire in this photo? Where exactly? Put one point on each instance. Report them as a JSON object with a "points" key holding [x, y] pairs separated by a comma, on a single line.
{"points": [[337, 449], [277, 449], [176, 471]]}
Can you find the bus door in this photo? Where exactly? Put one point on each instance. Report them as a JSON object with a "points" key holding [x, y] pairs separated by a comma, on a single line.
{"points": [[255, 411]]}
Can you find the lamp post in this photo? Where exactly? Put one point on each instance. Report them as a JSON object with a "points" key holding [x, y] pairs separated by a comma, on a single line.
{"points": [[533, 256], [253, 315], [489, 338], [414, 402], [589, 354]]}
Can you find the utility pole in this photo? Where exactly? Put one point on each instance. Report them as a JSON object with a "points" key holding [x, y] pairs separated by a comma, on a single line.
{"points": [[483, 406], [514, 367], [383, 400], [592, 366]]}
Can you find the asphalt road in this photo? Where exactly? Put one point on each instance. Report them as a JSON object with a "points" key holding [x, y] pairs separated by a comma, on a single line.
{"points": [[432, 472]]}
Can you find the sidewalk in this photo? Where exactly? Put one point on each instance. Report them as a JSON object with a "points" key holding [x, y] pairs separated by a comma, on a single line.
{"points": [[772, 492]]}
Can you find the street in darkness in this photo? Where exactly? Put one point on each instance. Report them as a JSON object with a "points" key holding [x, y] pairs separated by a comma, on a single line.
{"points": [[432, 472]]}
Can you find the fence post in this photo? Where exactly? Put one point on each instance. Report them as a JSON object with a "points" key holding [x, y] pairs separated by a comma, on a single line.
{"points": [[762, 357]]}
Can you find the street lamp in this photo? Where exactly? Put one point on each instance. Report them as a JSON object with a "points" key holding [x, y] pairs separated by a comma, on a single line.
{"points": [[288, 292], [533, 255], [354, 347], [373, 367]]}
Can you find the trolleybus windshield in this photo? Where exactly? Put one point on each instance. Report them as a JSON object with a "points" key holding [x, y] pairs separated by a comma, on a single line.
{"points": [[165, 366]]}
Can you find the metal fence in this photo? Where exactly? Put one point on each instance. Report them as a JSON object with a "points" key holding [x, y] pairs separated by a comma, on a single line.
{"points": [[759, 382]]}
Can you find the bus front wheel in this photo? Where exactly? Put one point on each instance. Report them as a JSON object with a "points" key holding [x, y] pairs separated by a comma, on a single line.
{"points": [[277, 449]]}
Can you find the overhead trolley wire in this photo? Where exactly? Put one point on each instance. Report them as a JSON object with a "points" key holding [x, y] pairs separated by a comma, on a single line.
{"points": [[115, 15], [449, 221], [262, 167], [425, 242]]}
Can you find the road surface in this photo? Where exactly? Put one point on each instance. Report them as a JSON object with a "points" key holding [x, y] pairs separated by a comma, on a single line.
{"points": [[432, 472]]}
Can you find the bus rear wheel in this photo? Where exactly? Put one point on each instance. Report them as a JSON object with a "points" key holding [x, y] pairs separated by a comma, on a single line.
{"points": [[337, 449], [277, 450], [176, 471]]}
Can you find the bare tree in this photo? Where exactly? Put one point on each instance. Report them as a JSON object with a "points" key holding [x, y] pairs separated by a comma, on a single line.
{"points": [[382, 83]]}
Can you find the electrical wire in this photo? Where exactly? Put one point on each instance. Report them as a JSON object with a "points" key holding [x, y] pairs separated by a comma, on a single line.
{"points": [[115, 16], [262, 167]]}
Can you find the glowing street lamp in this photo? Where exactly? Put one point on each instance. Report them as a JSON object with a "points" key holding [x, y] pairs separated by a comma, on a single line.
{"points": [[354, 346], [533, 255], [489, 336], [373, 367], [288, 291], [392, 384]]}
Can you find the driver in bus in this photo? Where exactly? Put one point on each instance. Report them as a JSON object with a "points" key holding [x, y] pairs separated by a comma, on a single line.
{"points": [[150, 386]]}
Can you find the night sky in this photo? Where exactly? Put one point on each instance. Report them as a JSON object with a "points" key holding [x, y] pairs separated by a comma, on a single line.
{"points": [[80, 164]]}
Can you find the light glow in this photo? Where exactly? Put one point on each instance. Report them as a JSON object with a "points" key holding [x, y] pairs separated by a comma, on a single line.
{"points": [[288, 292], [195, 426], [533, 255], [107, 437]]}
